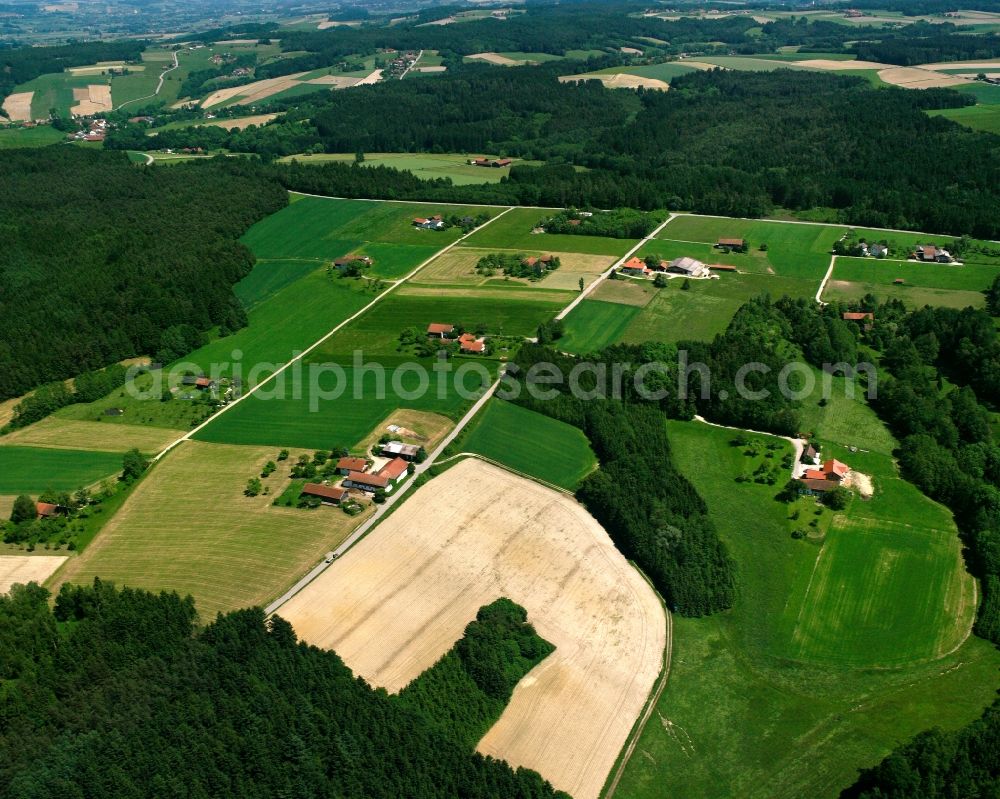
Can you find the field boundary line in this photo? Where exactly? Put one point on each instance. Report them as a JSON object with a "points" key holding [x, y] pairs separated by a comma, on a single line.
{"points": [[825, 280], [603, 276], [392, 287], [510, 469], [625, 756]]}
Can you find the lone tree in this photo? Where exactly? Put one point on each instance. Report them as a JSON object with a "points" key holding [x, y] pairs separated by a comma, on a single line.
{"points": [[133, 465], [24, 510]]}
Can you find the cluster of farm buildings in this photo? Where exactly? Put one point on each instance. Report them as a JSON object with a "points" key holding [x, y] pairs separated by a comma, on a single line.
{"points": [[365, 475], [497, 163], [684, 266], [467, 342]]}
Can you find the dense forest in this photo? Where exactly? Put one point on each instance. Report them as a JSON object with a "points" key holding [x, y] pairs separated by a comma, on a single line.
{"points": [[732, 143], [120, 694], [99, 263], [651, 511], [22, 64], [935, 45]]}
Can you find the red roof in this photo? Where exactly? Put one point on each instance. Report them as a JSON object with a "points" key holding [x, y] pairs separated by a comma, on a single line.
{"points": [[730, 242], [465, 338], [531, 260], [353, 464], [818, 485], [420, 221], [929, 250], [502, 161], [438, 328], [203, 382], [814, 474], [45, 509], [373, 480], [327, 492], [852, 316], [574, 221], [393, 469], [473, 346], [835, 467]]}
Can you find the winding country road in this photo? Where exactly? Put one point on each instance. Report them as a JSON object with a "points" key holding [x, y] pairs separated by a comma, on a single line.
{"points": [[159, 85]]}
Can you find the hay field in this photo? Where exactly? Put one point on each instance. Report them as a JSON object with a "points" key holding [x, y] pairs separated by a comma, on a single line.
{"points": [[54, 431], [620, 80], [458, 267], [241, 123], [94, 98], [187, 527], [32, 470], [18, 106], [252, 92], [917, 78], [395, 603], [497, 59], [25, 569]]}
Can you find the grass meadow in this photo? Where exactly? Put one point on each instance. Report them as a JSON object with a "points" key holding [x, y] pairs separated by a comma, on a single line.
{"points": [[977, 117], [60, 431], [424, 165], [40, 136], [924, 284], [821, 667], [529, 442], [595, 324], [513, 232], [31, 470], [188, 528]]}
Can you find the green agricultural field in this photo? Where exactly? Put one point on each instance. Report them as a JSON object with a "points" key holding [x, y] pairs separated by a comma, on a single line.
{"points": [[794, 250], [424, 165], [31, 470], [844, 419], [977, 117], [594, 324], [188, 527], [746, 63], [40, 136], [270, 277], [324, 229], [985, 93], [665, 72], [707, 307], [972, 277], [913, 296], [335, 405], [529, 442], [55, 92], [750, 710], [513, 231]]}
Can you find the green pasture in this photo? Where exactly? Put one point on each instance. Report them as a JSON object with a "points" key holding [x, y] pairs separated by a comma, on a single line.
{"points": [[833, 414], [54, 91], [809, 678], [882, 272], [513, 231], [793, 250], [334, 404], [977, 117], [268, 278], [985, 93], [377, 331], [31, 470], [529, 442], [40, 136], [913, 296], [595, 324], [424, 165], [748, 63]]}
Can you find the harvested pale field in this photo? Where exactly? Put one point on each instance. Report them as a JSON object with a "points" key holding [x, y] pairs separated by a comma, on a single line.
{"points": [[25, 569], [92, 99], [18, 106], [396, 602], [336, 24], [104, 436], [492, 292], [439, 68], [335, 81], [422, 427], [914, 78], [242, 123], [252, 92], [6, 505], [631, 50], [499, 60], [699, 64], [825, 63], [619, 80], [458, 266], [7, 409], [370, 78], [187, 527]]}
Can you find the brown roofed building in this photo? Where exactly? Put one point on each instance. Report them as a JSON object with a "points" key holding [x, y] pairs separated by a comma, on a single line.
{"points": [[330, 495], [46, 510], [852, 316], [730, 243], [348, 465], [394, 469], [366, 482], [440, 330], [835, 470]]}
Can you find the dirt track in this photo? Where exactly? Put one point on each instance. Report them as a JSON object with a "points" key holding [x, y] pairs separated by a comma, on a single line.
{"points": [[397, 601]]}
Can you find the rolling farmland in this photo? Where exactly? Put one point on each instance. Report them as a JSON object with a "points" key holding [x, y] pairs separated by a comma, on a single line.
{"points": [[23, 569], [469, 536], [188, 527]]}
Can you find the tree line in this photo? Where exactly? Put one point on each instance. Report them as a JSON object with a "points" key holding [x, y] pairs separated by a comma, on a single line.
{"points": [[104, 261], [720, 142], [121, 693]]}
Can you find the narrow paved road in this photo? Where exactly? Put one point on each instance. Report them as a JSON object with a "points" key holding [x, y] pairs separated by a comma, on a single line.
{"points": [[415, 61], [159, 85]]}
